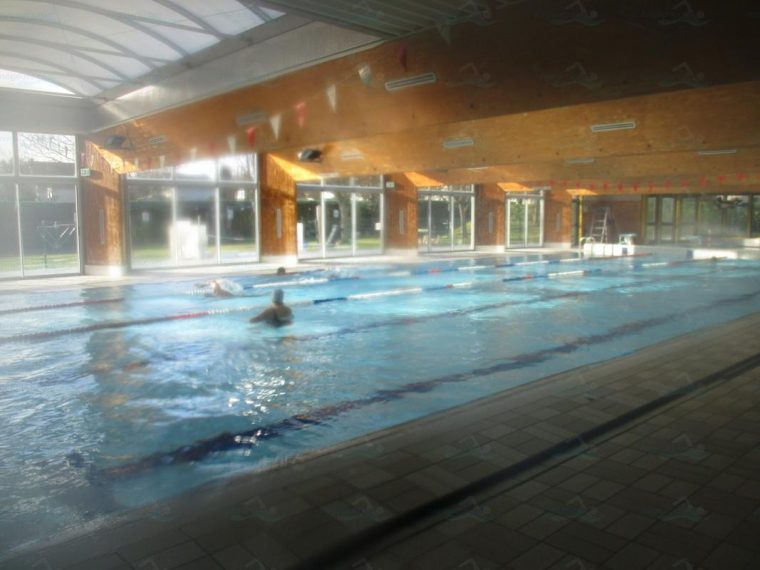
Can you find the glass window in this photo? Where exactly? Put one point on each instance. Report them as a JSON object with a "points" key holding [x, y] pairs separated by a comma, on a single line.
{"points": [[338, 223], [47, 155], [6, 153], [239, 168], [516, 219], [150, 220], [193, 234], [153, 174], [308, 229], [237, 208], [651, 209], [755, 216], [710, 217], [423, 230], [49, 227], [198, 170], [10, 261], [667, 210], [369, 222], [736, 216], [462, 206], [440, 222]]}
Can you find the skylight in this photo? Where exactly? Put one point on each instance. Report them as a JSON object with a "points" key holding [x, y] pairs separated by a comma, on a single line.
{"points": [[14, 80]]}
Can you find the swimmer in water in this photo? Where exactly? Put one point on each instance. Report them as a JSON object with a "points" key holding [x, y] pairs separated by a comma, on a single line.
{"points": [[216, 288], [281, 271], [278, 314]]}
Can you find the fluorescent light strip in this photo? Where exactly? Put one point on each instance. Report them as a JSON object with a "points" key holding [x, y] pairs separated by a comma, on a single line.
{"points": [[609, 127], [458, 143], [415, 81]]}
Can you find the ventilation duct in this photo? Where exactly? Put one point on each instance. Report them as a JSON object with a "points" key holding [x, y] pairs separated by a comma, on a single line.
{"points": [[406, 83]]}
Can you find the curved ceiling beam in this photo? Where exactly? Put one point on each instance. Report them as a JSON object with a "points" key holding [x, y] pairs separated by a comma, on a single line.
{"points": [[185, 13], [117, 17], [43, 77], [63, 70], [67, 49], [123, 51]]}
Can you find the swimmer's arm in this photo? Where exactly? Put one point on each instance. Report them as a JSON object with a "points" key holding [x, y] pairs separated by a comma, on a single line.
{"points": [[264, 315]]}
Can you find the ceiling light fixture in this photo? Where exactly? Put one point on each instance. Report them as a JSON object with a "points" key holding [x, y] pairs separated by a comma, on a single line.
{"points": [[457, 143], [610, 127]]}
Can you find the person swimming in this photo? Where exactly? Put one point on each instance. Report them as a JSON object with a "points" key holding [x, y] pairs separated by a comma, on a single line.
{"points": [[219, 288], [278, 314]]}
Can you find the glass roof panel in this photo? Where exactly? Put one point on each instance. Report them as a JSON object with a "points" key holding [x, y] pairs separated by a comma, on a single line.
{"points": [[14, 80], [130, 39]]}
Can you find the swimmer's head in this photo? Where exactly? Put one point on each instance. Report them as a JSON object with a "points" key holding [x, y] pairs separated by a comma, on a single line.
{"points": [[278, 296], [280, 271]]}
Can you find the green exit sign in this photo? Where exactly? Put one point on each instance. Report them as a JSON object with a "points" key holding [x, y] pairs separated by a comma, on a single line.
{"points": [[84, 172]]}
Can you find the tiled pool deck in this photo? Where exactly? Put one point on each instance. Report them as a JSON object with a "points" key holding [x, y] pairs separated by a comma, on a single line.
{"points": [[646, 461]]}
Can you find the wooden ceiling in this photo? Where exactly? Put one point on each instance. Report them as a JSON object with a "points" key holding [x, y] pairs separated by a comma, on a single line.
{"points": [[525, 85]]}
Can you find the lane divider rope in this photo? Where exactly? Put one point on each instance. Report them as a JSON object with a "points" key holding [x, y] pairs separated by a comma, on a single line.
{"points": [[251, 308]]}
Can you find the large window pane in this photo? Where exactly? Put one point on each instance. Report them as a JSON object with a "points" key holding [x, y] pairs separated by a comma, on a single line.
{"points": [[10, 262], [423, 231], [49, 228], [238, 168], [710, 216], [6, 153], [462, 206], [199, 170], [736, 216], [651, 209], [535, 221], [193, 235], [150, 219], [47, 155], [516, 220], [368, 222], [440, 222], [667, 210], [337, 223], [238, 224], [308, 230]]}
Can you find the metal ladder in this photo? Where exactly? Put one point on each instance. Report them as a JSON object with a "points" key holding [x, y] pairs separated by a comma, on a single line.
{"points": [[600, 225]]}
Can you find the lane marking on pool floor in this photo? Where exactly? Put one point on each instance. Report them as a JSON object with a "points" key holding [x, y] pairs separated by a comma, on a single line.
{"points": [[248, 439]]}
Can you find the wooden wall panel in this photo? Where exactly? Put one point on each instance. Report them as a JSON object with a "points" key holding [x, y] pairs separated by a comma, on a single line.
{"points": [[482, 71], [558, 217], [102, 211], [489, 200], [402, 198], [277, 192]]}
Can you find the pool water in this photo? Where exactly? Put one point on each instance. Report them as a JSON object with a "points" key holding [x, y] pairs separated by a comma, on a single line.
{"points": [[106, 405]]}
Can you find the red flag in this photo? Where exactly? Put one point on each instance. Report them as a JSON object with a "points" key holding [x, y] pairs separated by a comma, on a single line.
{"points": [[740, 176], [635, 186], [704, 181], [250, 134], [606, 186], [721, 179], [651, 186], [621, 186], [301, 113]]}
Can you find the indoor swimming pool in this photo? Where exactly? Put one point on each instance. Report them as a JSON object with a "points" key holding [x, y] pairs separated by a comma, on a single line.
{"points": [[115, 397]]}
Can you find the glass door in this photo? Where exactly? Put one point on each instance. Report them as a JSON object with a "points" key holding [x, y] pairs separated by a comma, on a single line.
{"points": [[193, 234], [525, 221], [445, 219], [309, 223]]}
